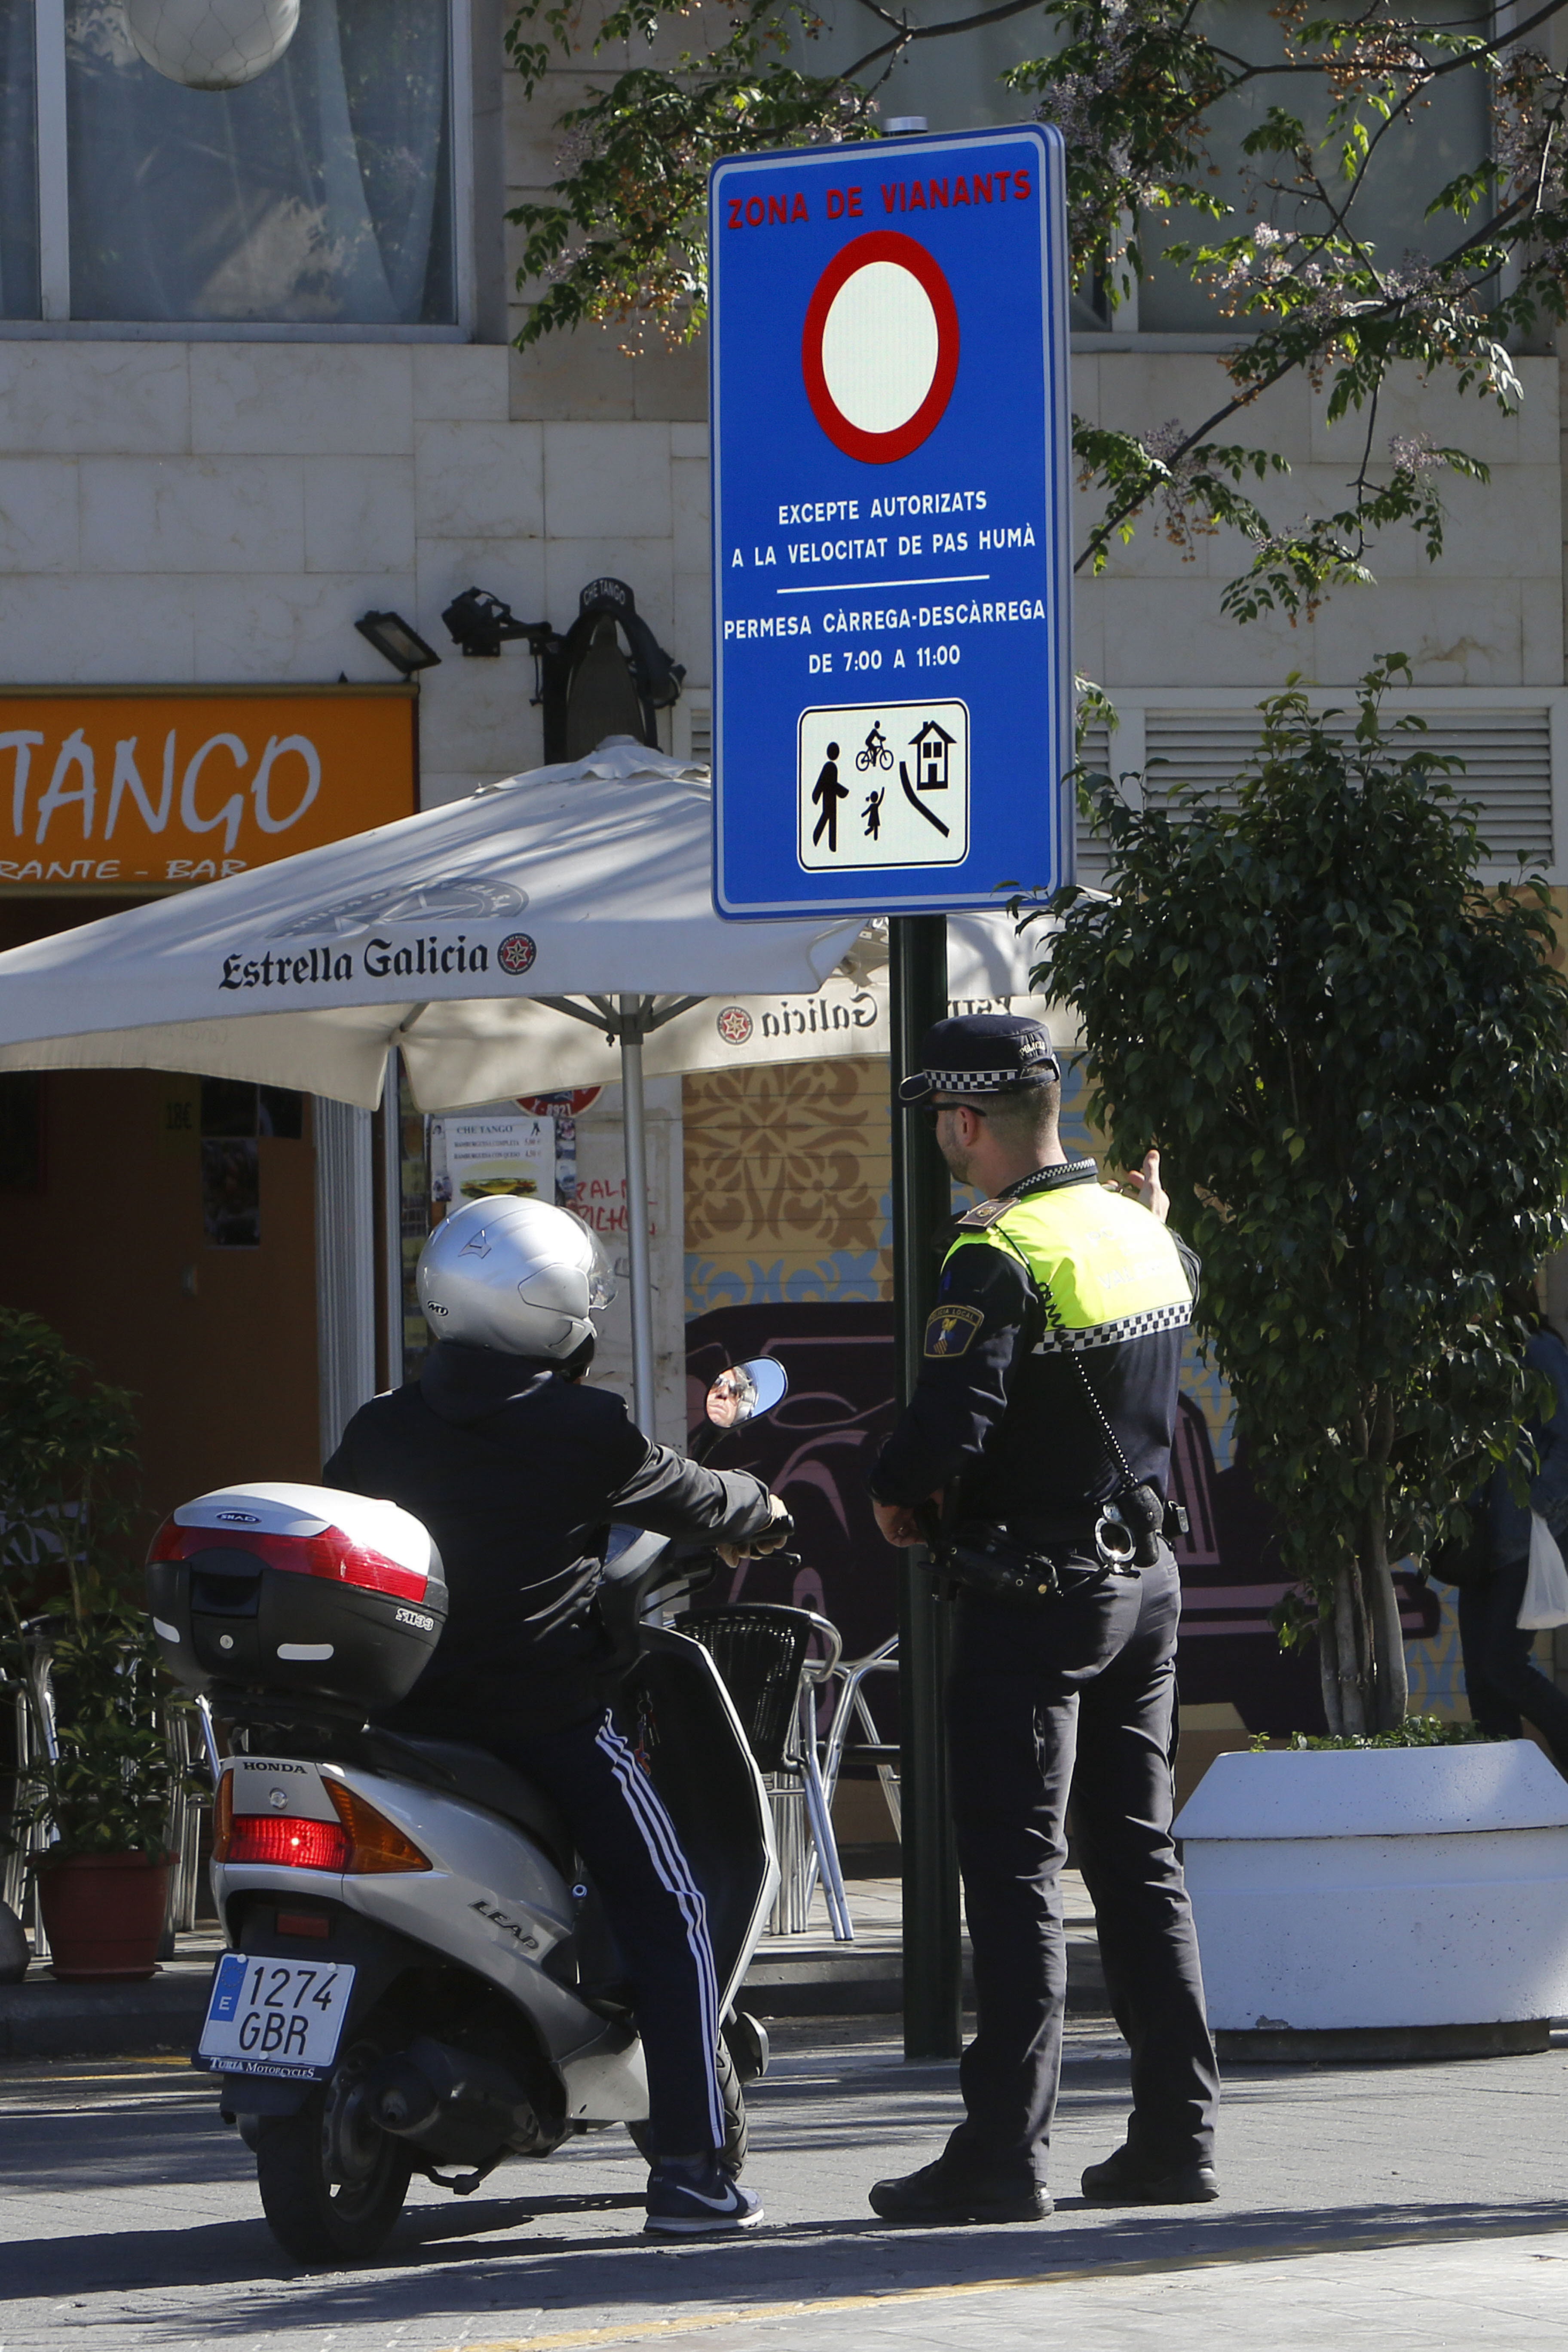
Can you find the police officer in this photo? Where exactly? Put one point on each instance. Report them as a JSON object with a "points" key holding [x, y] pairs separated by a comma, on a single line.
{"points": [[1036, 1450], [517, 1471]]}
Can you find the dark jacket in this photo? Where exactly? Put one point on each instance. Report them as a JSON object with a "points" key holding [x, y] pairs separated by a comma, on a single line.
{"points": [[1000, 1403], [518, 1474]]}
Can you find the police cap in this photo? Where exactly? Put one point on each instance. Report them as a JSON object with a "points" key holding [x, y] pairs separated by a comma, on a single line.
{"points": [[981, 1054]]}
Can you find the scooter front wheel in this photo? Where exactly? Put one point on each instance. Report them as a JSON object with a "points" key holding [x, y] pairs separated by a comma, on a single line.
{"points": [[733, 2154], [332, 2183]]}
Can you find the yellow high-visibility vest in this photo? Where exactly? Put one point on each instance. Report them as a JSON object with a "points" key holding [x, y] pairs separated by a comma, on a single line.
{"points": [[1113, 1271]]}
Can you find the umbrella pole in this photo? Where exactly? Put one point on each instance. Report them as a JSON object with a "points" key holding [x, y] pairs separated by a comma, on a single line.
{"points": [[634, 1127]]}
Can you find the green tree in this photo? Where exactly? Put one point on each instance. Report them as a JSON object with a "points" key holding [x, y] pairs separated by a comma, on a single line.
{"points": [[1353, 1057], [1329, 117], [68, 1592]]}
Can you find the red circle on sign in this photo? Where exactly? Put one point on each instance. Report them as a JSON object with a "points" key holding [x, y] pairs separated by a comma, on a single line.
{"points": [[903, 252], [570, 1103]]}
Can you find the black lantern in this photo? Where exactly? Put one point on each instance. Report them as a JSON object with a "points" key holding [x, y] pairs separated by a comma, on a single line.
{"points": [[607, 676]]}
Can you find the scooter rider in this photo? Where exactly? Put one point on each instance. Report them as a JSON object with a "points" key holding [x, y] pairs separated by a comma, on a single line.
{"points": [[517, 1470]]}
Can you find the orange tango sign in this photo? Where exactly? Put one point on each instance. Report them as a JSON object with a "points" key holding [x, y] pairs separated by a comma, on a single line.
{"points": [[149, 791]]}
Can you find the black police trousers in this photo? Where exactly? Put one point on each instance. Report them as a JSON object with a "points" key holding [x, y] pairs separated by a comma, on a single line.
{"points": [[1075, 1696]]}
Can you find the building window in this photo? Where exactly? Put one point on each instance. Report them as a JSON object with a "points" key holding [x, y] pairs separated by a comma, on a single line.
{"points": [[18, 163], [319, 195]]}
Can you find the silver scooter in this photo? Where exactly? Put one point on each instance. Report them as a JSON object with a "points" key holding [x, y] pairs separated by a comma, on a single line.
{"points": [[419, 1977]]}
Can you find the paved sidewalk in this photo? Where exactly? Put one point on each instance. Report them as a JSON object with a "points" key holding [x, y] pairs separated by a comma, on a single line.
{"points": [[1379, 2209], [808, 1975]]}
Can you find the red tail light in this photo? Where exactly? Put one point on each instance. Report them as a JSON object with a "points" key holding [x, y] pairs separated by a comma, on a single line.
{"points": [[361, 1842], [331, 1554], [273, 1838]]}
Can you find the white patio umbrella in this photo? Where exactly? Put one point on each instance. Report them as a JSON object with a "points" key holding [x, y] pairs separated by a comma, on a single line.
{"points": [[478, 940]]}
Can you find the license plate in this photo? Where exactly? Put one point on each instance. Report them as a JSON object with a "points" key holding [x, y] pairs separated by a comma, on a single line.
{"points": [[275, 2017]]}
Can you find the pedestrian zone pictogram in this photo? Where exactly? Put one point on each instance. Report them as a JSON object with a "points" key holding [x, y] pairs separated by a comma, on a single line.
{"points": [[886, 784]]}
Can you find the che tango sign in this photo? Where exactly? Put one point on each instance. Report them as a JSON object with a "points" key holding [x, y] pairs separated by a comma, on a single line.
{"points": [[146, 791]]}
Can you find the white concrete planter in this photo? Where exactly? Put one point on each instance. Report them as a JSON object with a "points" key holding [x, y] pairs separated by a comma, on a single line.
{"points": [[1380, 1888]]}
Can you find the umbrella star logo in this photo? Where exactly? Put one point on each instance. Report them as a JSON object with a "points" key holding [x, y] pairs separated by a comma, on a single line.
{"points": [[734, 1024], [516, 952]]}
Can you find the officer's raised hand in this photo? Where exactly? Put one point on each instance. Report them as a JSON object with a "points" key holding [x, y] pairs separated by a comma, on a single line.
{"points": [[1143, 1184]]}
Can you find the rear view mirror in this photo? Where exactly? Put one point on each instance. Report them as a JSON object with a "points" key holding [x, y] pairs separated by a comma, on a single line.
{"points": [[745, 1390]]}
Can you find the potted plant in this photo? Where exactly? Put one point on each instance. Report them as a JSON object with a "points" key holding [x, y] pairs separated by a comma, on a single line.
{"points": [[1353, 1056], [72, 1630]]}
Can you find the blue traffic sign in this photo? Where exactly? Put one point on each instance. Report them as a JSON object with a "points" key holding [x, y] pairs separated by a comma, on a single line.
{"points": [[891, 577]]}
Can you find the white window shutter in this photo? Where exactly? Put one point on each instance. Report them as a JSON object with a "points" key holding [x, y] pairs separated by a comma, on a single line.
{"points": [[1093, 858], [1507, 772]]}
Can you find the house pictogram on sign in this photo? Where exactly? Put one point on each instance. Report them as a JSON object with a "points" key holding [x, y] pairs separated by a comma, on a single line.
{"points": [[932, 746]]}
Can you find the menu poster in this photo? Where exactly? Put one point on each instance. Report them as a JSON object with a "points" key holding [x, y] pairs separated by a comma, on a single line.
{"points": [[565, 1106], [484, 1156]]}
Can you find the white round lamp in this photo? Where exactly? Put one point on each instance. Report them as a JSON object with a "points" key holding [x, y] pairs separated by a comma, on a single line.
{"points": [[211, 44]]}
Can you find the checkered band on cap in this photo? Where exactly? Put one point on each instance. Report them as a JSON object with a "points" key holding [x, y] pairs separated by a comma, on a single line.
{"points": [[983, 1082]]}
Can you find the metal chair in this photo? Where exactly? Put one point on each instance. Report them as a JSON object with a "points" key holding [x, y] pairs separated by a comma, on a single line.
{"points": [[33, 1707], [851, 1705], [28, 1703], [763, 1652], [183, 1837]]}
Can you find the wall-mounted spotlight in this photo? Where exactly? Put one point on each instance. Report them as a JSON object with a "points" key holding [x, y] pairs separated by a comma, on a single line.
{"points": [[482, 623], [393, 638]]}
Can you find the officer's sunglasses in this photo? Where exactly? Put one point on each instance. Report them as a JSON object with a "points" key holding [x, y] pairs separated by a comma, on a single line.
{"points": [[933, 1112]]}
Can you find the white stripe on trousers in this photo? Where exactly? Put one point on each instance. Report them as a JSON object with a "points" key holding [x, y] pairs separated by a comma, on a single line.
{"points": [[674, 1874]]}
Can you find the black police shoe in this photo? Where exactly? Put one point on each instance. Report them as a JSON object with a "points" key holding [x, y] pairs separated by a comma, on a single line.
{"points": [[939, 2195], [1126, 2179]]}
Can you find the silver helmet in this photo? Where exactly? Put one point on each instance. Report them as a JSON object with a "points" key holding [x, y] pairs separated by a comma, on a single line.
{"points": [[514, 1274]]}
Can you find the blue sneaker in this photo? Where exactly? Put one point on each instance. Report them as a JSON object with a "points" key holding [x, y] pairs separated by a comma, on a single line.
{"points": [[688, 2198]]}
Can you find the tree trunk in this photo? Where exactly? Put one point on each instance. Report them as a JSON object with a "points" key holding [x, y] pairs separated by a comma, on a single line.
{"points": [[1388, 1690], [1345, 1656], [1391, 1679], [1329, 1673]]}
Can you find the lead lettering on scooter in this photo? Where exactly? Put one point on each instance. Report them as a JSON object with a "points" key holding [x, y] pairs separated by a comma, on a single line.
{"points": [[509, 1927]]}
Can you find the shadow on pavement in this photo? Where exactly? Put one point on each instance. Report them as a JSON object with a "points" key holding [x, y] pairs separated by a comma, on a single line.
{"points": [[609, 2274]]}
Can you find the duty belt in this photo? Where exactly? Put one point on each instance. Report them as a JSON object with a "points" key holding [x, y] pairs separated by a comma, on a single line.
{"points": [[1034, 1563]]}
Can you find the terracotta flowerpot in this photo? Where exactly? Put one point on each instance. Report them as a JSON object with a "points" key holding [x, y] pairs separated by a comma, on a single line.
{"points": [[103, 1915]]}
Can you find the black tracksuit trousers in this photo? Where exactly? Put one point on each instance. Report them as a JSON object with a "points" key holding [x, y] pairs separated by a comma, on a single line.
{"points": [[1077, 1697]]}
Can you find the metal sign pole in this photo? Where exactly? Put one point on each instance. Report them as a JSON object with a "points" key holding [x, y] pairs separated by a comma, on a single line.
{"points": [[392, 1213], [634, 1129], [921, 1195]]}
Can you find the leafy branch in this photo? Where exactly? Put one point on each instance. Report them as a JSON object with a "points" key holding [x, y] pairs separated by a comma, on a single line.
{"points": [[1141, 91]]}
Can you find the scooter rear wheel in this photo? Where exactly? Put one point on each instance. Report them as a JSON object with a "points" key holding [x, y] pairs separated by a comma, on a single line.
{"points": [[732, 2155], [332, 2183]]}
